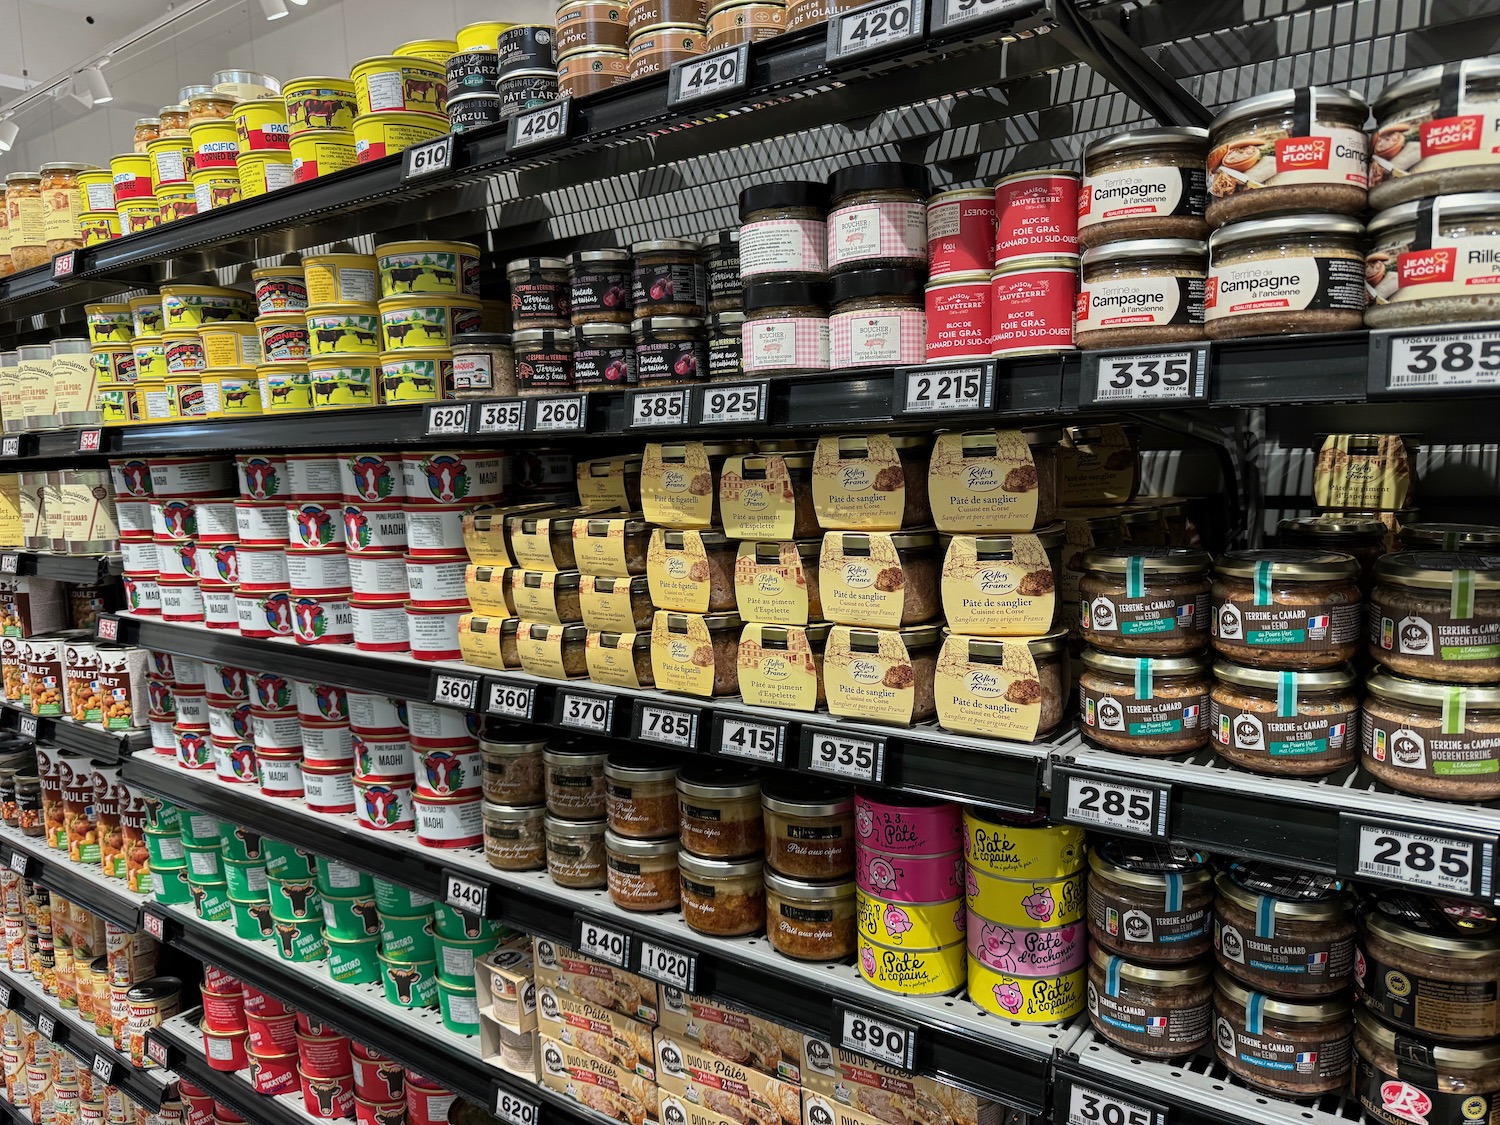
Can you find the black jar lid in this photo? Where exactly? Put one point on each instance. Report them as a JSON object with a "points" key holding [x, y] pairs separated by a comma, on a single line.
{"points": [[878, 283], [786, 294], [884, 176], [783, 193]]}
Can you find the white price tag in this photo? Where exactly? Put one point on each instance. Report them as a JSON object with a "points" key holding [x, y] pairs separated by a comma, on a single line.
{"points": [[669, 966], [508, 417], [949, 14], [465, 893], [1094, 1107], [938, 390], [429, 159], [539, 126], [708, 76], [46, 1023], [658, 408], [153, 925], [10, 563], [877, 1037], [26, 725], [558, 414], [512, 701], [20, 862], [668, 726], [856, 757], [1445, 361], [1422, 860], [450, 690], [746, 738], [513, 1109], [875, 27], [1113, 806], [104, 1067], [738, 403], [5, 996], [583, 712], [446, 418], [1146, 377], [606, 943], [10, 445]]}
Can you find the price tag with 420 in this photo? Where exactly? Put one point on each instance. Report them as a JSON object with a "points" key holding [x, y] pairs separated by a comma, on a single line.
{"points": [[876, 27]]}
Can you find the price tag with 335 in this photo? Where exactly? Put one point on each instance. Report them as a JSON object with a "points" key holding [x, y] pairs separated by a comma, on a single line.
{"points": [[1176, 376]]}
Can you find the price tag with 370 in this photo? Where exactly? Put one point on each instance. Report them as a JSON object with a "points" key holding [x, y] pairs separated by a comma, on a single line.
{"points": [[447, 418], [583, 712], [876, 27]]}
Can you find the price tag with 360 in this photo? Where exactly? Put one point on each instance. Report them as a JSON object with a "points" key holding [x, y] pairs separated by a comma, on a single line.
{"points": [[746, 738], [513, 1109], [658, 408], [1113, 806], [454, 691], [447, 418], [513, 701], [464, 893], [876, 27], [843, 755], [1087, 1106], [508, 417], [604, 942], [877, 1038]]}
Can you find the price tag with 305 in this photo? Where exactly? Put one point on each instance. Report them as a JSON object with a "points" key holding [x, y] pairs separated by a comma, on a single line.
{"points": [[1087, 1106], [948, 14], [856, 757], [658, 408], [1444, 361], [669, 966], [450, 690], [738, 403], [608, 944], [507, 417], [708, 76], [513, 1109], [1150, 377], [583, 712], [876, 27], [26, 726], [881, 1038], [46, 1023], [104, 1066], [667, 726], [937, 390], [465, 893], [445, 418], [1413, 856], [555, 415], [747, 738], [539, 126], [1114, 806], [512, 701]]}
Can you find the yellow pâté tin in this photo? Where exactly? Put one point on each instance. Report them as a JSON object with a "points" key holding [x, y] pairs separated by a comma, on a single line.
{"points": [[231, 394], [351, 330], [285, 388], [910, 925], [403, 83], [1047, 851], [415, 376], [321, 152], [1027, 999], [378, 135], [1026, 902], [190, 306], [108, 323], [231, 343], [150, 360], [339, 280], [263, 172], [914, 972], [99, 226], [120, 404], [320, 103], [136, 215], [216, 187], [340, 381], [414, 270]]}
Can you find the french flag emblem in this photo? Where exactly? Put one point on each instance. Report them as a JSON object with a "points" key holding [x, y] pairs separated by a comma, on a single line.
{"points": [[1335, 732], [1307, 1059], [1190, 715], [1156, 1024], [1317, 622], [1315, 960], [1185, 612]]}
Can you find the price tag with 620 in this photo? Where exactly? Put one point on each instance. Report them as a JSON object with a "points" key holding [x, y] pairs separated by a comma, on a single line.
{"points": [[876, 27], [445, 418], [514, 1109]]}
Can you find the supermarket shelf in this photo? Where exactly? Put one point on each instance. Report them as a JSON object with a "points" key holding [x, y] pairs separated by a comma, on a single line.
{"points": [[416, 1038], [920, 759], [86, 885], [957, 1041], [81, 738], [12, 1114], [147, 1086], [1193, 1091], [60, 568]]}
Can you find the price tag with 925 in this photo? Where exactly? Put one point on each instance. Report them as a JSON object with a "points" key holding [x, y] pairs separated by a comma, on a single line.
{"points": [[1087, 1106], [447, 418], [876, 27], [1114, 806], [743, 403], [513, 1109], [881, 1038], [709, 76]]}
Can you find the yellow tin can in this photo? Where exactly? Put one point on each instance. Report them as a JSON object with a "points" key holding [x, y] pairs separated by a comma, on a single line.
{"points": [[320, 152], [342, 381], [115, 364], [319, 103], [108, 323], [156, 402], [131, 173], [381, 134], [184, 353], [910, 925], [1026, 902], [119, 404], [436, 50], [216, 187], [136, 215], [96, 190], [187, 397], [98, 226], [216, 145], [411, 270], [231, 394], [424, 323], [407, 83], [1010, 851], [416, 376], [145, 315], [177, 201], [339, 280], [171, 162], [192, 306], [351, 330], [150, 360], [285, 388], [230, 343], [1027, 999], [260, 125], [482, 36], [915, 972], [263, 172], [283, 338]]}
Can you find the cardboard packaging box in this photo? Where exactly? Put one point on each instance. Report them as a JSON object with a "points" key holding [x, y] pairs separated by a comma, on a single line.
{"points": [[865, 1092], [613, 1091], [597, 1031], [565, 970], [728, 1088], [733, 1033]]}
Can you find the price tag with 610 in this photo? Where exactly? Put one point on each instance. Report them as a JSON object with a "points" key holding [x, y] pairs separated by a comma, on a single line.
{"points": [[429, 159]]}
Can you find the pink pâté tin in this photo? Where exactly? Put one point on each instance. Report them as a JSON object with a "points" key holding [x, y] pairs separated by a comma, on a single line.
{"points": [[314, 526], [382, 757], [377, 716], [142, 596], [274, 1074], [371, 478], [260, 523], [450, 822], [281, 774], [958, 317], [900, 825], [437, 582], [384, 805], [273, 694], [235, 761], [1032, 306], [218, 566], [219, 610], [1025, 952], [191, 476], [130, 476], [380, 628], [318, 574], [133, 517], [322, 621], [452, 476], [434, 531], [261, 569], [1036, 213], [275, 731], [263, 477], [434, 632], [264, 615], [314, 476], [216, 521], [378, 579], [448, 773], [329, 787], [182, 601], [321, 703], [224, 1050], [374, 528], [960, 232], [173, 520], [327, 742], [440, 727], [909, 878], [325, 1056]]}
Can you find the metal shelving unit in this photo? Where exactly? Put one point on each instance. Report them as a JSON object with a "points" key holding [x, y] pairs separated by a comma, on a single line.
{"points": [[180, 1043], [81, 738], [60, 568], [87, 885]]}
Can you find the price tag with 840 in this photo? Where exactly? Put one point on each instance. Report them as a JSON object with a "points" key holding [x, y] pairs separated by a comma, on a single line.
{"points": [[1428, 860], [1113, 806], [876, 27], [464, 893], [1087, 1106], [513, 1109], [746, 738], [877, 1037], [508, 417], [857, 757], [446, 418], [604, 942]]}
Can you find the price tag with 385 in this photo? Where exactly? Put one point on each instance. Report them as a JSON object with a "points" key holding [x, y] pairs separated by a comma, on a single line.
{"points": [[1441, 361], [1420, 856], [649, 409], [1111, 805], [445, 418], [856, 757], [881, 1038], [885, 26], [507, 417]]}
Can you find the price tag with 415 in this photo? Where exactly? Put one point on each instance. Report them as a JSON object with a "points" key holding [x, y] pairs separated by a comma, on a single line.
{"points": [[756, 739]]}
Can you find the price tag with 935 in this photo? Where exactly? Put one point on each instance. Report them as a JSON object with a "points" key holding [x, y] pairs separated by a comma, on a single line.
{"points": [[1426, 857], [463, 892], [856, 757], [885, 26], [1111, 805], [607, 943], [450, 690], [882, 1038], [709, 76], [513, 1109], [445, 418]]}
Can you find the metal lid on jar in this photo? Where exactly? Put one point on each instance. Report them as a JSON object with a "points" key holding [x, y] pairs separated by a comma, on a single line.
{"points": [[178, 108], [639, 642], [779, 636], [194, 93], [481, 340], [1155, 976], [1449, 536], [1137, 248], [1427, 81], [21, 178], [782, 193], [999, 544], [640, 765], [666, 324], [890, 282], [1290, 228], [711, 538], [1048, 644], [1130, 666], [513, 814], [807, 889], [1269, 679], [1448, 1057], [1288, 564], [1148, 560], [561, 579], [510, 749], [710, 869], [1287, 1011], [1439, 570], [635, 584], [730, 322], [902, 540], [1465, 931], [1420, 693], [726, 242], [1139, 864], [67, 166], [574, 829], [630, 848], [785, 294], [612, 255], [1336, 527], [767, 552], [542, 338], [556, 756], [665, 245], [531, 265], [718, 780], [880, 176], [1465, 205], [1136, 139], [1285, 892], [797, 795], [1279, 101], [148, 121]]}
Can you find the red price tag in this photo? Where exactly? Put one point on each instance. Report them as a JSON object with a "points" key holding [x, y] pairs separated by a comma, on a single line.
{"points": [[64, 265], [107, 628], [153, 925], [89, 441]]}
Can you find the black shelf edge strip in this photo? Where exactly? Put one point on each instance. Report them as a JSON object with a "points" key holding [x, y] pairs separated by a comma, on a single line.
{"points": [[108, 746], [228, 1088], [61, 876]]}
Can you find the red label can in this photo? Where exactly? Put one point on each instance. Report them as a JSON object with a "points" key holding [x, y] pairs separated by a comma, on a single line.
{"points": [[960, 232], [1032, 307], [958, 317], [1036, 214]]}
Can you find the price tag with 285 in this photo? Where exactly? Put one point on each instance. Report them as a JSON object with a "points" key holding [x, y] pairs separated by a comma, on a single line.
{"points": [[1412, 855], [1111, 805]]}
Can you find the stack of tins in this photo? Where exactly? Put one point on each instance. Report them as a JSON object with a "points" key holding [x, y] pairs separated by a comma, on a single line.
{"points": [[149, 354], [526, 74], [407, 951], [232, 358], [216, 152], [98, 218], [1026, 936], [49, 385], [172, 166], [375, 540], [281, 325], [208, 885], [320, 116], [111, 329], [164, 850], [664, 32], [342, 326], [327, 749], [909, 893], [401, 99], [593, 38], [379, 731], [136, 205], [187, 310], [296, 906], [193, 527], [474, 77], [461, 941], [429, 293], [246, 877], [262, 136]]}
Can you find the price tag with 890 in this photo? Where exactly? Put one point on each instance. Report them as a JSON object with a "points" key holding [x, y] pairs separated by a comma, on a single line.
{"points": [[1409, 856], [880, 1038], [447, 418], [876, 27], [1113, 806], [604, 942], [856, 757], [1087, 1106]]}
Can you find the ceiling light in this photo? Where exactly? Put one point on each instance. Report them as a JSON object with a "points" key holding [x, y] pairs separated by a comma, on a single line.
{"points": [[274, 9], [8, 133], [300, 3], [94, 79]]}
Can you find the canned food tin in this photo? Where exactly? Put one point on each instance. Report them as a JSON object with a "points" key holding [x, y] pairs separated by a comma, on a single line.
{"points": [[382, 757], [450, 822], [326, 1055], [131, 172], [959, 320], [313, 476], [263, 172], [261, 524], [339, 279], [750, 22], [191, 306], [218, 566], [371, 479], [339, 382], [280, 774], [378, 580], [380, 628], [219, 610], [185, 397], [231, 395], [320, 103], [138, 558], [472, 71], [412, 322], [191, 708], [960, 232], [1050, 999], [377, 135], [313, 526], [1032, 307], [264, 615], [1046, 851], [261, 569], [452, 477], [177, 561], [171, 161], [98, 226], [909, 878], [437, 583], [284, 388], [131, 478], [521, 90], [416, 376], [525, 46], [434, 633], [273, 732], [273, 1074], [1026, 902], [318, 574], [263, 477], [216, 187], [1027, 952], [377, 716], [280, 290], [913, 972], [384, 805], [231, 722], [321, 152], [260, 125], [108, 324], [134, 519], [347, 331], [271, 1034], [183, 351], [194, 750], [187, 477], [900, 825], [283, 338], [448, 773], [433, 269], [434, 531], [181, 601], [910, 925], [440, 727], [1036, 213], [329, 788], [396, 84], [324, 743], [591, 71], [96, 190], [234, 761], [321, 703], [475, 111], [215, 144], [322, 621]]}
